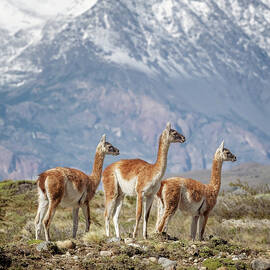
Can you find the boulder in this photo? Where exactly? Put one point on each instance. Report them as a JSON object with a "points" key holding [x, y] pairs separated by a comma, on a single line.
{"points": [[260, 264], [167, 264]]}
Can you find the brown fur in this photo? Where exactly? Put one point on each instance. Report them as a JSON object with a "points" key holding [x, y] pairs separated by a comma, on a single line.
{"points": [[204, 195], [70, 187], [136, 177]]}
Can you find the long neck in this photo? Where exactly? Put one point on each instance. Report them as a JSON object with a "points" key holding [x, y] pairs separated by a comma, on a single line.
{"points": [[161, 162], [97, 168], [215, 181]]}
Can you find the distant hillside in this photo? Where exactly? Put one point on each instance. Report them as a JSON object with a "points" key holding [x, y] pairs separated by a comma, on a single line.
{"points": [[252, 173], [125, 68]]}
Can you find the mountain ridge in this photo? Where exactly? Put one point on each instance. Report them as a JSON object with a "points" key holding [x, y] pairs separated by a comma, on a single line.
{"points": [[127, 68]]}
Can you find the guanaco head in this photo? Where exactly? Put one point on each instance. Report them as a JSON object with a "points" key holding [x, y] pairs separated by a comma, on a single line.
{"points": [[107, 148], [224, 154], [172, 135]]}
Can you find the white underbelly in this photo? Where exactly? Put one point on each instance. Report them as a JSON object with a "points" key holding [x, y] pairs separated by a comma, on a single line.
{"points": [[72, 197], [187, 204]]}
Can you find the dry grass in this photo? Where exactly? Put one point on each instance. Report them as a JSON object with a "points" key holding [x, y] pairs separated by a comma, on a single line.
{"points": [[237, 217], [250, 228]]}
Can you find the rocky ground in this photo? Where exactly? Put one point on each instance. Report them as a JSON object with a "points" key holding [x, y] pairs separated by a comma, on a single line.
{"points": [[93, 250], [156, 253]]}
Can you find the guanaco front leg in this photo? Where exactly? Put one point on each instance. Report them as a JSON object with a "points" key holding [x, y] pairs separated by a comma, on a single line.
{"points": [[147, 207]]}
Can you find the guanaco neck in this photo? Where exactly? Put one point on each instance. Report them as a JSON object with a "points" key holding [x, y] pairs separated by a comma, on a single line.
{"points": [[161, 162], [215, 181], [97, 168]]}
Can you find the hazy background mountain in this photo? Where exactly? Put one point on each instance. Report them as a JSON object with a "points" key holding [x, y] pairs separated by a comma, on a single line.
{"points": [[71, 72]]}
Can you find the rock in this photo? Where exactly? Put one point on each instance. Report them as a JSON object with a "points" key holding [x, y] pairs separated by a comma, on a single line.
{"points": [[114, 240], [235, 258], [68, 244], [75, 257], [202, 268], [105, 253], [242, 256], [145, 248], [222, 255], [135, 257], [48, 246], [134, 245], [146, 261], [167, 264], [128, 240], [260, 264], [153, 259], [89, 255]]}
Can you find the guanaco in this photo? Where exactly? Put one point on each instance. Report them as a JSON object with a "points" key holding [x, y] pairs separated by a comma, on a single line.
{"points": [[191, 196], [69, 187], [136, 177]]}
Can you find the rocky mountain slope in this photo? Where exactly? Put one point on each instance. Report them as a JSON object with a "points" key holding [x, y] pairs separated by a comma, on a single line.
{"points": [[125, 68]]}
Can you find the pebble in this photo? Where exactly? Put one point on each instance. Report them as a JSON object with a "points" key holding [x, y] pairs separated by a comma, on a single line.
{"points": [[105, 253], [128, 240], [114, 240], [134, 245], [89, 255], [153, 259]]}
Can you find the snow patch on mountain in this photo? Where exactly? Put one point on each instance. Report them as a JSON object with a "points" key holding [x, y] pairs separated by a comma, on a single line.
{"points": [[71, 71], [16, 15]]}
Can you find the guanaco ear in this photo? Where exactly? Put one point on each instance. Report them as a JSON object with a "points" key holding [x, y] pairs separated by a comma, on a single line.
{"points": [[168, 126], [103, 139], [220, 148]]}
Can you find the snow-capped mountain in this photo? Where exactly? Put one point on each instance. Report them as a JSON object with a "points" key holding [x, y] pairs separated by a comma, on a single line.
{"points": [[70, 73]]}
